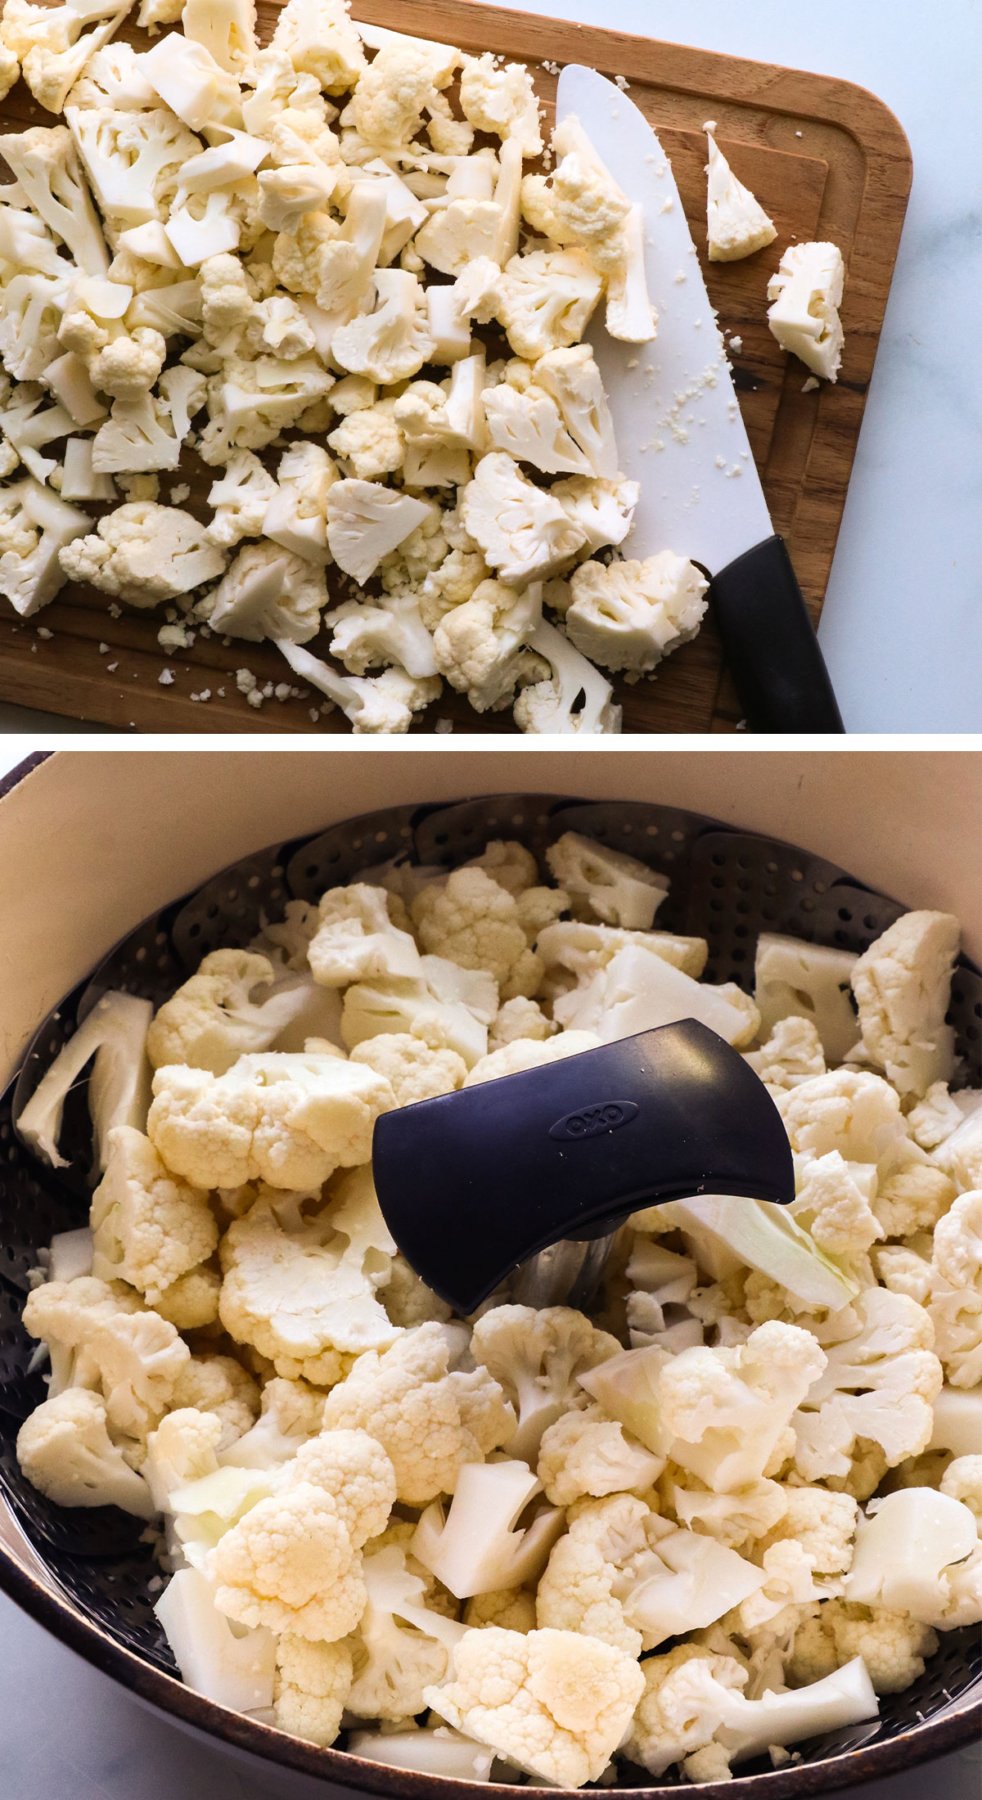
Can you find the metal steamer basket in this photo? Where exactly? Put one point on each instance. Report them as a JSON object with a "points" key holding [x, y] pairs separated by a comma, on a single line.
{"points": [[88, 1576]]}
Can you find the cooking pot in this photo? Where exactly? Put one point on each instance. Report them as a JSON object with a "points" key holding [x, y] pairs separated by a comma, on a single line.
{"points": [[829, 845]]}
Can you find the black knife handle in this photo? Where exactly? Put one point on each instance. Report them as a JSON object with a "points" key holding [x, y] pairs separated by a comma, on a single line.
{"points": [[770, 645]]}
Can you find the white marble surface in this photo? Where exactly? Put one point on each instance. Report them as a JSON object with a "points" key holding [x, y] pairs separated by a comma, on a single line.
{"points": [[903, 623]]}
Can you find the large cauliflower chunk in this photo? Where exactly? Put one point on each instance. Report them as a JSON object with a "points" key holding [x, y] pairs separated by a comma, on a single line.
{"points": [[217, 1016], [293, 1562], [288, 1119], [553, 1702], [143, 553], [65, 1451], [148, 1227], [100, 1336], [472, 921], [430, 1417], [538, 1357], [902, 986], [877, 1387], [300, 1286], [632, 615]]}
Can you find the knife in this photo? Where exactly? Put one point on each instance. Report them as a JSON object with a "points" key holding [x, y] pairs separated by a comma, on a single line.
{"points": [[682, 437]]}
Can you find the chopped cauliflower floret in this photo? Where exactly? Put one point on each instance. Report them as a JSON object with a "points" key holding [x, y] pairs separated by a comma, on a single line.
{"points": [[902, 985], [738, 224], [143, 553], [632, 615]]}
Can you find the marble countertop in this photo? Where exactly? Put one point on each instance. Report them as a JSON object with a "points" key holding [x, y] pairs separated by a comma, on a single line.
{"points": [[902, 628]]}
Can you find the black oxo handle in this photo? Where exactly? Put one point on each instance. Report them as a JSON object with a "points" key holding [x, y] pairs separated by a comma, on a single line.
{"points": [[770, 645], [474, 1183]]}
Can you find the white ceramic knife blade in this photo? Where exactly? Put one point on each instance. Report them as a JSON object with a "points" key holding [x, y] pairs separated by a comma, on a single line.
{"points": [[679, 426]]}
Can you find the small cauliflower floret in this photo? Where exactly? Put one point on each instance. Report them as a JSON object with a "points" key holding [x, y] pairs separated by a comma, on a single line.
{"points": [[604, 510], [414, 1070], [878, 1387], [191, 1301], [99, 1336], [607, 884], [846, 1110], [266, 592], [545, 300], [792, 1054], [806, 294], [582, 205], [529, 1053], [938, 1116], [219, 1385], [538, 1357], [520, 1021], [389, 634], [401, 1644], [585, 1454], [810, 981], [962, 1480], [902, 985], [721, 1413], [392, 341], [311, 1688], [181, 1450], [297, 512], [821, 1523], [148, 1228], [233, 1668], [475, 1547], [366, 522], [112, 1036], [301, 1286], [214, 1018], [65, 1451], [832, 1208], [291, 1413], [35, 528], [321, 40], [695, 1710], [893, 1646], [554, 1703], [370, 441], [501, 100], [738, 1519], [574, 696], [639, 989], [529, 427], [574, 381], [398, 88], [408, 1301], [632, 615], [630, 1578], [738, 224], [524, 533], [911, 1553], [450, 1006], [290, 1565], [355, 939], [431, 1419], [44, 162], [239, 499], [513, 1609], [666, 1726], [474, 922], [374, 704], [144, 553], [279, 1117], [479, 647]]}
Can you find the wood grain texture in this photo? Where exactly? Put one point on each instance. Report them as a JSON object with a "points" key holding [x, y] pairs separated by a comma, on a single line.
{"points": [[827, 160]]}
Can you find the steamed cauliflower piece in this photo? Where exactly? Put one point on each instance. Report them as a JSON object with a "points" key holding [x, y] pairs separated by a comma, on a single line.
{"points": [[288, 1119], [148, 1228], [554, 1703], [300, 1286], [429, 1417]]}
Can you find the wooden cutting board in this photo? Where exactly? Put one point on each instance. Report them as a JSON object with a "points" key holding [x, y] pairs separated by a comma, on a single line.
{"points": [[825, 158]]}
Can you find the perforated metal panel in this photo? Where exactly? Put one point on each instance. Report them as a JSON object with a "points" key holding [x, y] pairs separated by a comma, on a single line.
{"points": [[726, 886]]}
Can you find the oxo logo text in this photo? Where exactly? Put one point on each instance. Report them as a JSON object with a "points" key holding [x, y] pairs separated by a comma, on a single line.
{"points": [[594, 1121]]}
